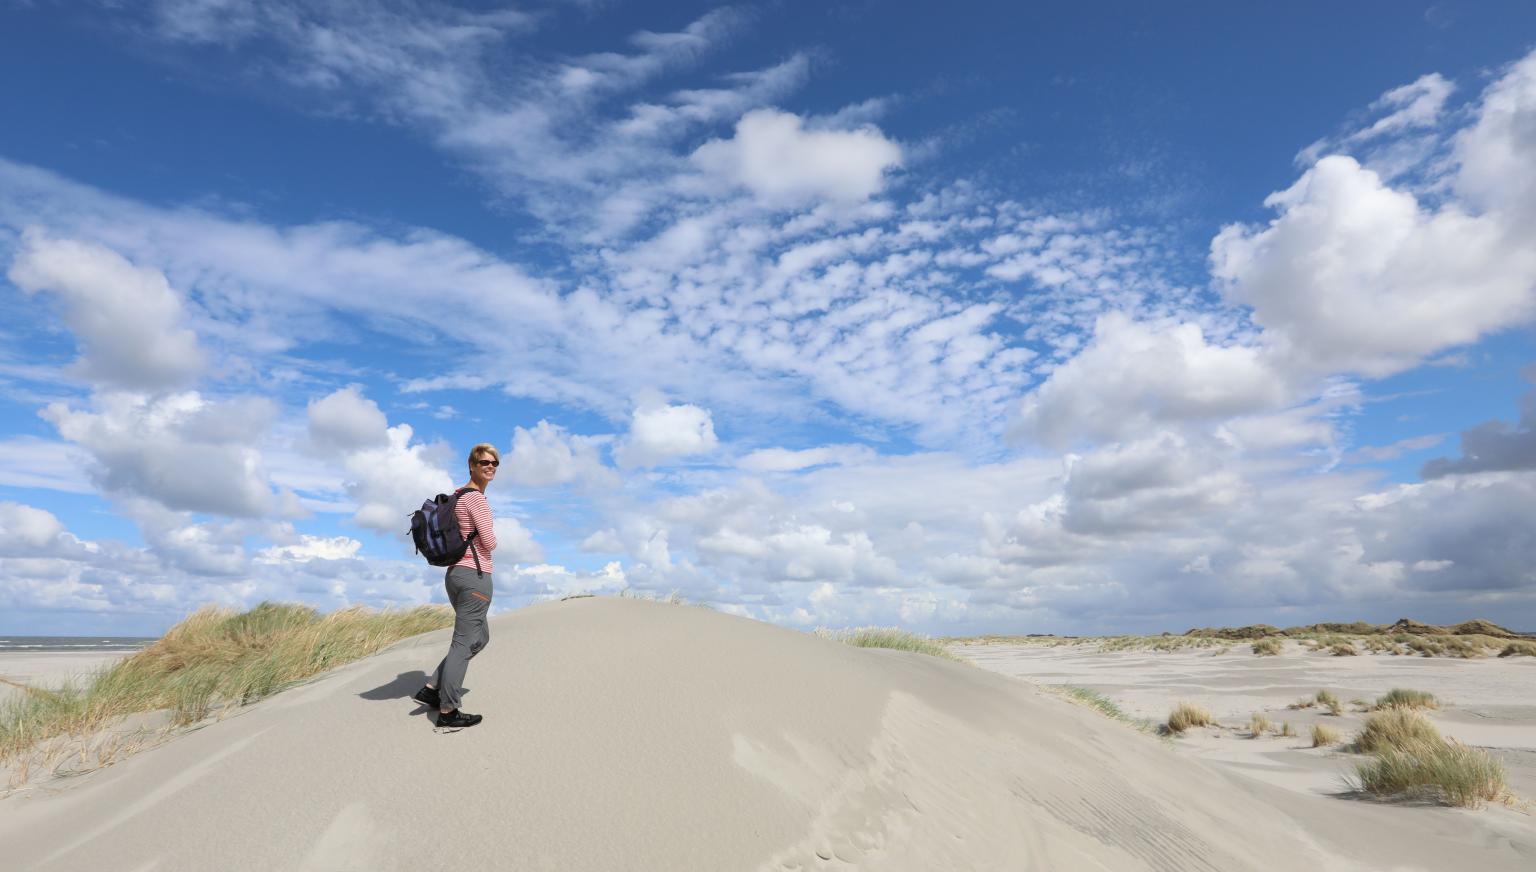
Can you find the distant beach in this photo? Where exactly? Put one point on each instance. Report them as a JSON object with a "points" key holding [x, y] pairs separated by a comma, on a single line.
{"points": [[50, 661]]}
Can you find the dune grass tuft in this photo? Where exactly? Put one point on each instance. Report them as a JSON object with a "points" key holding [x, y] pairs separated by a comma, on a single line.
{"points": [[1399, 697], [1099, 703], [1269, 646], [1343, 649], [1186, 715], [1286, 730], [1454, 773], [214, 659], [1398, 729], [1324, 735], [889, 637], [1327, 700], [1258, 725], [1519, 649]]}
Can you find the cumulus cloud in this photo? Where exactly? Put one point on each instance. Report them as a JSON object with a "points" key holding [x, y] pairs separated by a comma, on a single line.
{"points": [[662, 432], [1134, 376], [27, 530], [346, 420], [775, 157], [546, 454], [515, 543], [1496, 171], [1355, 276], [1494, 445], [183, 450], [126, 318]]}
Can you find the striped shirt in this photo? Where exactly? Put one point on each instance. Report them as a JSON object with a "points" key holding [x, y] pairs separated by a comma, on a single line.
{"points": [[474, 516]]}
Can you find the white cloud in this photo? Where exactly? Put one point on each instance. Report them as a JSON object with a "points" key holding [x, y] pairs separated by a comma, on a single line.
{"points": [[311, 548], [127, 319], [1415, 105], [661, 432], [515, 544], [27, 530], [1354, 276], [346, 420], [391, 481], [1497, 154], [1135, 376], [182, 450], [774, 156], [786, 460], [547, 455]]}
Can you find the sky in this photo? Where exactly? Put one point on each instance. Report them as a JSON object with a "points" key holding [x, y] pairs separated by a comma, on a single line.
{"points": [[1081, 318]]}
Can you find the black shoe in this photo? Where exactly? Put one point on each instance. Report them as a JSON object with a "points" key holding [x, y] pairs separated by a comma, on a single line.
{"points": [[428, 697], [456, 720]]}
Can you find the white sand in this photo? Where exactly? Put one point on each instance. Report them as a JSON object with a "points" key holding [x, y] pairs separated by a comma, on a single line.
{"points": [[627, 735], [1488, 702]]}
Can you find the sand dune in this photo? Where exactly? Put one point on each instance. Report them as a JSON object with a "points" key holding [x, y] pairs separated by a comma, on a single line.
{"points": [[628, 735]]}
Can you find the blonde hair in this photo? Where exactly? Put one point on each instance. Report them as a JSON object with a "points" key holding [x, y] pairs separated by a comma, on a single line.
{"points": [[483, 448]]}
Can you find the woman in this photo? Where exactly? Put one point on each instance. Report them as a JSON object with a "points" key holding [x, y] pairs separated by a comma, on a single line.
{"points": [[469, 589]]}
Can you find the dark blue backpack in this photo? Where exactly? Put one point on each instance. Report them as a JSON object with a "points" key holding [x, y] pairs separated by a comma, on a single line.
{"points": [[435, 530]]}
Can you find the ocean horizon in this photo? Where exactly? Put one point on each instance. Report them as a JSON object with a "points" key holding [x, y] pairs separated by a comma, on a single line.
{"points": [[43, 644]]}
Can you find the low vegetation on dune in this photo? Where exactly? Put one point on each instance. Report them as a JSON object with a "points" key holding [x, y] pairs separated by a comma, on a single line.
{"points": [[1327, 700], [1452, 772], [1396, 729], [1186, 715], [1477, 638], [214, 659], [1099, 703], [1258, 725], [889, 637], [1410, 758], [1324, 735], [1267, 647], [1400, 697]]}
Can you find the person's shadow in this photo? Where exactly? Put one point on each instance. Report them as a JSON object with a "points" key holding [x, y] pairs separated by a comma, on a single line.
{"points": [[404, 686]]}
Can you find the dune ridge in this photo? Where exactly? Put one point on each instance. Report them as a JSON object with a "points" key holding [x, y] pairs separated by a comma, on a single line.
{"points": [[626, 734]]}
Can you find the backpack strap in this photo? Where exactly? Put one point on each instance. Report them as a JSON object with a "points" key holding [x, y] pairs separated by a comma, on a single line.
{"points": [[473, 552]]}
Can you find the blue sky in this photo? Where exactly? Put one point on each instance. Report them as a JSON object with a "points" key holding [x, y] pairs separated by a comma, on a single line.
{"points": [[1105, 318]]}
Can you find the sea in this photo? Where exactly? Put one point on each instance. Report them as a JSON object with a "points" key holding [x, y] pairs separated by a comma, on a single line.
{"points": [[80, 644]]}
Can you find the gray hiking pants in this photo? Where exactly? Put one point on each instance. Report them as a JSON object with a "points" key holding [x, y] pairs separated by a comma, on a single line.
{"points": [[470, 594]]}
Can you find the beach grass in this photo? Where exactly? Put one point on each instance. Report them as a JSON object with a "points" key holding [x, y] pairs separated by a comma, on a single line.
{"points": [[1396, 729], [1327, 700], [1186, 715], [1519, 649], [890, 637], [1269, 646], [1258, 725], [1099, 703], [1324, 735], [1450, 771], [214, 659], [1399, 697]]}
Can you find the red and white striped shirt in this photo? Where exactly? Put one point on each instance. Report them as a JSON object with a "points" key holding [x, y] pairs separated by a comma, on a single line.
{"points": [[474, 516]]}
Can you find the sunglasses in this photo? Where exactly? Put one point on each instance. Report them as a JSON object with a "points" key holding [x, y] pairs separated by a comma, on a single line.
{"points": [[489, 462]]}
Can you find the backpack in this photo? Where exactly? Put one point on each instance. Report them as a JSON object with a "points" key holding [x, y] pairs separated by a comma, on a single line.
{"points": [[435, 530]]}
